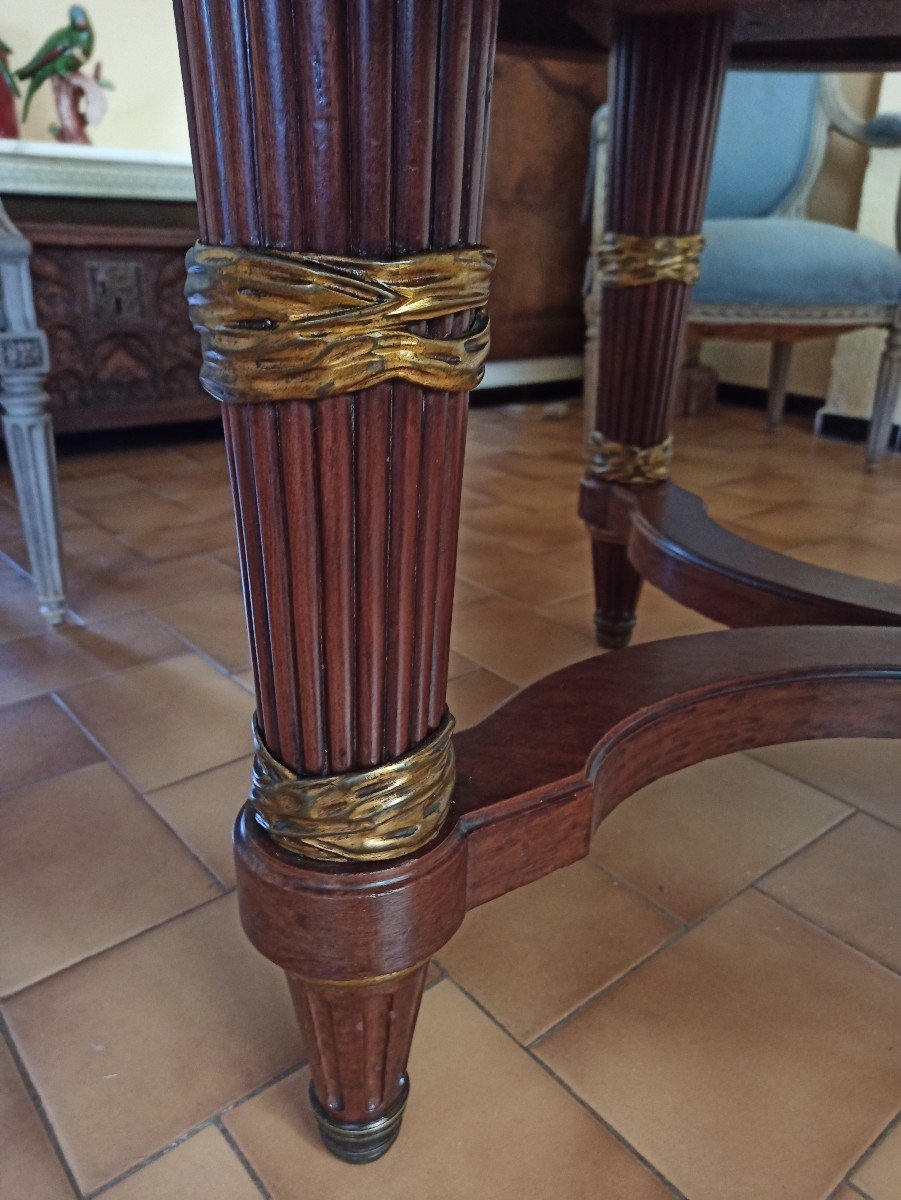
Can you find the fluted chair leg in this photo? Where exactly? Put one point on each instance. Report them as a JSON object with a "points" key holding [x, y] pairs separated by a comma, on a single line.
{"points": [[888, 389]]}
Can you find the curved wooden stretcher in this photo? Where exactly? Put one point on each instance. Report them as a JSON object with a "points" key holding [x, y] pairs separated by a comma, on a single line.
{"points": [[670, 541], [339, 136]]}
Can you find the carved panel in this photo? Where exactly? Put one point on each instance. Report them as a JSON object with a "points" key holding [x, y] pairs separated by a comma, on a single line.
{"points": [[122, 351]]}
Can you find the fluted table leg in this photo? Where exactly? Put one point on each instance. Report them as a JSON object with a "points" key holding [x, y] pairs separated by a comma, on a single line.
{"points": [[666, 80], [346, 127]]}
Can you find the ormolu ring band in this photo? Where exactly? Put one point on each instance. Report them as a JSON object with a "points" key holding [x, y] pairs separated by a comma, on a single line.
{"points": [[279, 325], [615, 462], [380, 812], [625, 260]]}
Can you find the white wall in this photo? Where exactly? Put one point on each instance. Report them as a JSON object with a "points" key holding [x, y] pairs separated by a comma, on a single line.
{"points": [[135, 42]]}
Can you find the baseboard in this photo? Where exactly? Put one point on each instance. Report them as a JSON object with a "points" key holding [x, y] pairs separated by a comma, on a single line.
{"points": [[841, 428], [838, 427], [521, 372], [526, 393], [529, 381], [739, 395]]}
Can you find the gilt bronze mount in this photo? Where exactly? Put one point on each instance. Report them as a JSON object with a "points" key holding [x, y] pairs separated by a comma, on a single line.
{"points": [[615, 462], [628, 261], [377, 813], [280, 325]]}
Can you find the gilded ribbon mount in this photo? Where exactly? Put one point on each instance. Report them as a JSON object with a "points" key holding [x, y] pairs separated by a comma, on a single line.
{"points": [[615, 462], [628, 261], [377, 813], [281, 325]]}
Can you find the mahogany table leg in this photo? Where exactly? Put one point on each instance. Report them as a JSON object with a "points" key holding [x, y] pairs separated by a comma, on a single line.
{"points": [[345, 127], [666, 81]]}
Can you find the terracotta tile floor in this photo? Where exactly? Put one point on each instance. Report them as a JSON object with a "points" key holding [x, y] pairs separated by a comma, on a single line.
{"points": [[705, 1008]]}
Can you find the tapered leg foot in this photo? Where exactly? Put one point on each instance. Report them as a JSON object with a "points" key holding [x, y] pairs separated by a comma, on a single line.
{"points": [[616, 587], [359, 1035], [360, 1141]]}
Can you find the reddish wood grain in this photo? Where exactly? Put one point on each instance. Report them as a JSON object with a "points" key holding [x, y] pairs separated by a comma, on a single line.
{"points": [[672, 542], [667, 74], [355, 128], [536, 777]]}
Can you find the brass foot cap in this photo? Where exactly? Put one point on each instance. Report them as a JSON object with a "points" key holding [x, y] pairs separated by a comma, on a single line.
{"points": [[613, 635], [361, 1141]]}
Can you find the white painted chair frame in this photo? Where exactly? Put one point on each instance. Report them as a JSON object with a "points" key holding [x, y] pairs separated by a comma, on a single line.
{"points": [[27, 428]]}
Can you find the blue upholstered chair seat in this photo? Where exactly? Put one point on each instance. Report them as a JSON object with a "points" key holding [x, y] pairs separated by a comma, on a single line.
{"points": [[795, 264]]}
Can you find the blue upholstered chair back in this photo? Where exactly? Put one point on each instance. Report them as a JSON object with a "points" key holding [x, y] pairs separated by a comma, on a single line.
{"points": [[764, 139]]}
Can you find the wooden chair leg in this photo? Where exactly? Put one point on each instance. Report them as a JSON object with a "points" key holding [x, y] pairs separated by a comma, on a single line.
{"points": [[888, 389], [780, 361], [27, 425]]}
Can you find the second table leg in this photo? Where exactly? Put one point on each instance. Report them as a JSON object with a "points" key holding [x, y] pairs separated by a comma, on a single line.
{"points": [[666, 82]]}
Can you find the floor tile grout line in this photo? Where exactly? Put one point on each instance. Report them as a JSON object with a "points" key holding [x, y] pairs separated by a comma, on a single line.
{"points": [[113, 946], [674, 937], [493, 592], [842, 799], [674, 1191], [852, 1187], [842, 819], [883, 821], [214, 1120], [197, 774], [816, 786], [677, 936], [246, 1097], [6, 793], [217, 1120], [106, 674], [38, 1104], [132, 785], [871, 958], [150, 1159], [242, 1158], [883, 1136], [635, 890]]}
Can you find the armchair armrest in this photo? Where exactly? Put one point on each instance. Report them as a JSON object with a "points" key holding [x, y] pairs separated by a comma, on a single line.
{"points": [[883, 132]]}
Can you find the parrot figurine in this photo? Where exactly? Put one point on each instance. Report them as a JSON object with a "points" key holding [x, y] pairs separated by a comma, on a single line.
{"points": [[65, 52], [6, 77]]}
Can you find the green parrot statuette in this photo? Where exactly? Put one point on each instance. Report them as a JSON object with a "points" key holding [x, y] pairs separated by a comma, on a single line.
{"points": [[5, 73], [63, 53]]}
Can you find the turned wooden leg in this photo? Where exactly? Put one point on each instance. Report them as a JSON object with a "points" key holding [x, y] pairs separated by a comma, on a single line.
{"points": [[780, 361], [667, 75], [617, 587], [339, 150], [888, 389]]}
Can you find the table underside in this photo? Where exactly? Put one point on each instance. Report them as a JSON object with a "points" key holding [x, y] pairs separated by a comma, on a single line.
{"points": [[834, 34]]}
